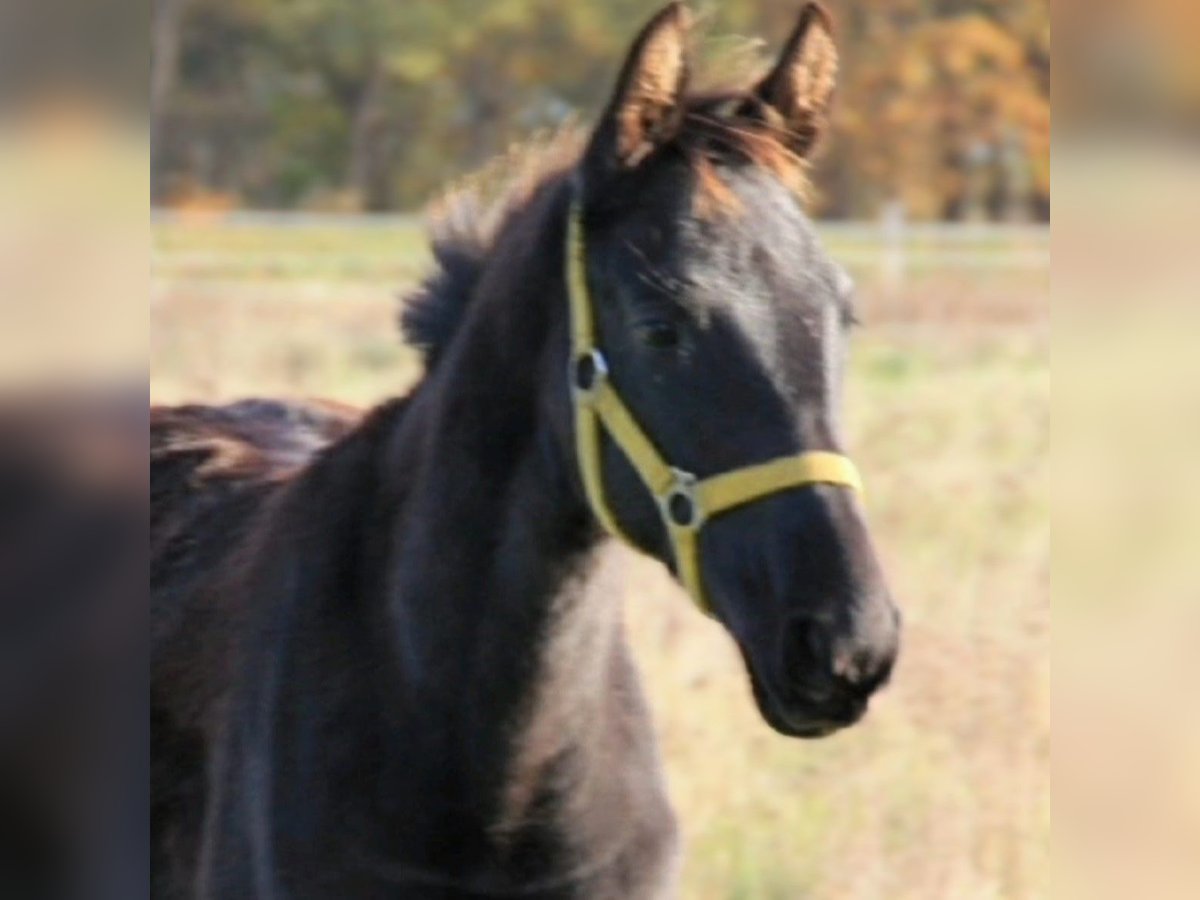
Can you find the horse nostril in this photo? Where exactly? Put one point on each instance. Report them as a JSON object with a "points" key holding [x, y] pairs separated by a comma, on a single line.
{"points": [[852, 665], [817, 660], [806, 652], [866, 666]]}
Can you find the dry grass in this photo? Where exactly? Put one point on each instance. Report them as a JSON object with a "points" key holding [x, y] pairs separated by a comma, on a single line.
{"points": [[943, 791]]}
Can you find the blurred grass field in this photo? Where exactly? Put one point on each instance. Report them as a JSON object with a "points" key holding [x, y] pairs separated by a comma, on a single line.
{"points": [[943, 791]]}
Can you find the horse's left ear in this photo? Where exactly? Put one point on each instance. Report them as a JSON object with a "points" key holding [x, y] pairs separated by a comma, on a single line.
{"points": [[647, 106], [800, 87]]}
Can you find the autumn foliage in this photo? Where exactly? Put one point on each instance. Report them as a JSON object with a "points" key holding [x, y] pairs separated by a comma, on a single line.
{"points": [[943, 108]]}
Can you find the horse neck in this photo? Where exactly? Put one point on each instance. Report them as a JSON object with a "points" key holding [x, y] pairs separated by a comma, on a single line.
{"points": [[477, 699], [500, 626]]}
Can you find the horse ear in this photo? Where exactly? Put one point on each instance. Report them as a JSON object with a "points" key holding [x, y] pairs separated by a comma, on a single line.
{"points": [[801, 85], [647, 106]]}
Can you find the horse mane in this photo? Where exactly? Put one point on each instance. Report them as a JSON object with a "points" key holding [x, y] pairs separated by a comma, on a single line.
{"points": [[718, 127], [462, 227]]}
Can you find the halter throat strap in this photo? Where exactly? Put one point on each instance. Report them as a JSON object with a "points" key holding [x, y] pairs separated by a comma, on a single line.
{"points": [[685, 502]]}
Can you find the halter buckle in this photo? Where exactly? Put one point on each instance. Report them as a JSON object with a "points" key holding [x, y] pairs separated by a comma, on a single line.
{"points": [[680, 504], [587, 372]]}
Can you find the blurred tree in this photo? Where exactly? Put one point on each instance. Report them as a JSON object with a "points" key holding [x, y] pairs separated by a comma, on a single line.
{"points": [[164, 56], [208, 129], [374, 104], [361, 52], [943, 109]]}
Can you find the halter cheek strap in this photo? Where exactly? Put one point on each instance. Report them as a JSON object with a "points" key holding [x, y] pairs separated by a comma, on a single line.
{"points": [[684, 501]]}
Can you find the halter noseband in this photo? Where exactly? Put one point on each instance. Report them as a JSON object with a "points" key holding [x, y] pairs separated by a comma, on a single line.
{"points": [[684, 501]]}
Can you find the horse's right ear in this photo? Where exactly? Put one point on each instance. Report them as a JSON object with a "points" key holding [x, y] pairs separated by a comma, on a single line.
{"points": [[647, 106]]}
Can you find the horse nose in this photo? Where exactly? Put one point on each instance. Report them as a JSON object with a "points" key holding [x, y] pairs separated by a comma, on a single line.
{"points": [[821, 658]]}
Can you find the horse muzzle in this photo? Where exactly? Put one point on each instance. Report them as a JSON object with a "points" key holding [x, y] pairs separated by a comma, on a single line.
{"points": [[802, 593]]}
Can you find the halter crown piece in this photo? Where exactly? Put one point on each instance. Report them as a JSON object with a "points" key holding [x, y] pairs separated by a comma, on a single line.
{"points": [[684, 501]]}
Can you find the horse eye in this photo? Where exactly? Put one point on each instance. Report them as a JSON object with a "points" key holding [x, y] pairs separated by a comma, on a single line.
{"points": [[659, 334]]}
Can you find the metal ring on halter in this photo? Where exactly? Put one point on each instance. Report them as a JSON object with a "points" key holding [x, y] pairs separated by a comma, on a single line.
{"points": [[680, 505], [588, 371]]}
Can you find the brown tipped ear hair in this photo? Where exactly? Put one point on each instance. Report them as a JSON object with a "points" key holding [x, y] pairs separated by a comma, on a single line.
{"points": [[801, 85], [647, 105]]}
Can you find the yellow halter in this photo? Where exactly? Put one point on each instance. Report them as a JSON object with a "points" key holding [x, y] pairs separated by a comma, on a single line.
{"points": [[685, 502]]}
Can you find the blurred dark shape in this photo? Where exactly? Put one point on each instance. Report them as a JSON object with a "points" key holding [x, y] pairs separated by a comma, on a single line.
{"points": [[50, 47], [73, 659]]}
